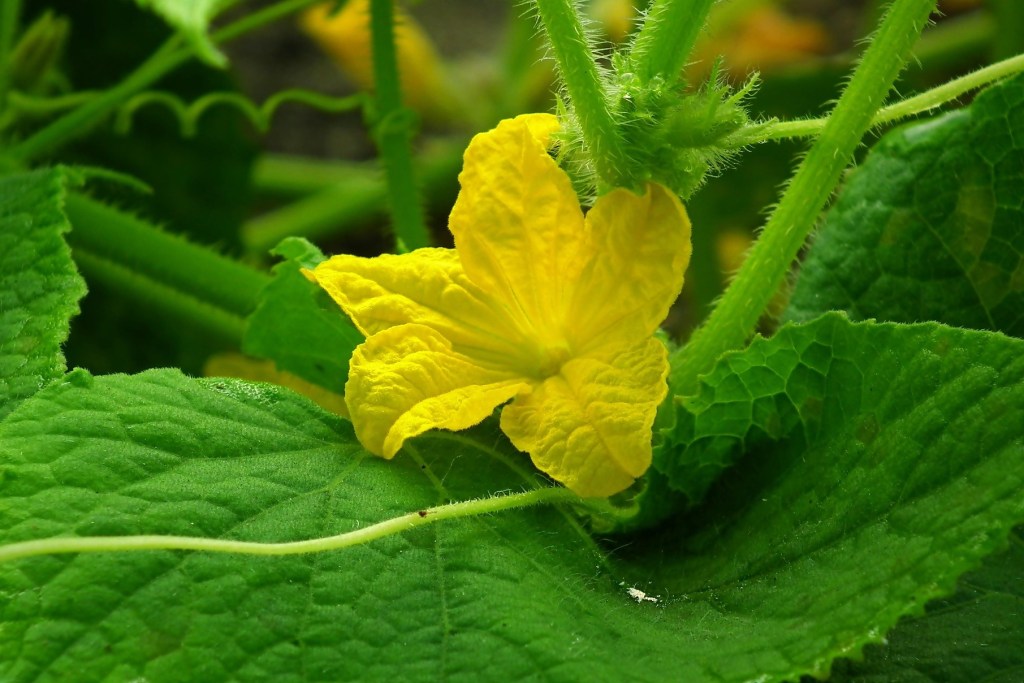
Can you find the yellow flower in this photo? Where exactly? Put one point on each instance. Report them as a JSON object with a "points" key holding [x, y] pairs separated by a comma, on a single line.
{"points": [[536, 304], [345, 37]]}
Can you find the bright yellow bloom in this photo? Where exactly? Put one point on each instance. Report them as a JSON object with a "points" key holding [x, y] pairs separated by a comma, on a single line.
{"points": [[536, 304]]}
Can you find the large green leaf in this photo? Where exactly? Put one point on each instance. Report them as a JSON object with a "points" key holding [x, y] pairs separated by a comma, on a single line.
{"points": [[297, 325], [975, 635], [812, 548], [931, 225], [39, 285]]}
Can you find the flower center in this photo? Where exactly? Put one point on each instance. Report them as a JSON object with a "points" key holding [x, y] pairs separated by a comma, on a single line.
{"points": [[552, 358]]}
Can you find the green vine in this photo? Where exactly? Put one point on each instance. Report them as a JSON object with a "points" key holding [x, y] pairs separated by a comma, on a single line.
{"points": [[169, 56], [735, 317], [162, 269], [393, 131], [261, 116], [666, 38], [586, 89], [391, 527]]}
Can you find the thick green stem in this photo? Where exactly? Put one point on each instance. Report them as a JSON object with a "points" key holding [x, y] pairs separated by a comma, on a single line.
{"points": [[122, 247], [337, 196], [10, 10], [329, 211], [586, 90], [667, 38], [736, 315], [295, 176], [393, 130], [168, 302]]}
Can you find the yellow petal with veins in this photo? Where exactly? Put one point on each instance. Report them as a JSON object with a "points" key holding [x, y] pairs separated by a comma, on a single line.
{"points": [[637, 249], [407, 380], [589, 427], [517, 223], [426, 287]]}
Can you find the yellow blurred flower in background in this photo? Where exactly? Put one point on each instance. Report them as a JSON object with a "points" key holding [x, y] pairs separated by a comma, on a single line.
{"points": [[258, 370], [756, 35], [345, 37]]}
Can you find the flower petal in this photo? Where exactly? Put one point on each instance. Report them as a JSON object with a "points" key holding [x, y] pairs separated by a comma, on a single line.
{"points": [[637, 251], [407, 380], [426, 287], [517, 222], [589, 427]]}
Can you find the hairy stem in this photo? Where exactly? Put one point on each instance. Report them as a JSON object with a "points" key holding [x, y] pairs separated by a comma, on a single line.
{"points": [[586, 90], [930, 99], [735, 317], [391, 527], [163, 268], [169, 302], [393, 131], [667, 37]]}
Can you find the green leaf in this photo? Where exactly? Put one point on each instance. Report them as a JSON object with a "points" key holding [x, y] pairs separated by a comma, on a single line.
{"points": [[803, 554], [192, 18], [931, 225], [897, 409], [298, 326], [975, 635], [39, 285]]}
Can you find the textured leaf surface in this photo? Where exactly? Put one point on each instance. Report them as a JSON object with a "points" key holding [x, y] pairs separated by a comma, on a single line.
{"points": [[39, 285], [975, 635], [931, 225], [192, 18], [896, 404], [805, 552], [296, 324]]}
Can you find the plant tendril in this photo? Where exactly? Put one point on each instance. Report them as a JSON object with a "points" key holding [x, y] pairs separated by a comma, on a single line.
{"points": [[390, 527], [260, 116]]}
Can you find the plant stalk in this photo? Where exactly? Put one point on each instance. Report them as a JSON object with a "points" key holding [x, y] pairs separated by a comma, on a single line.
{"points": [[390, 527], [667, 37], [168, 57], [586, 89], [335, 197], [734, 319], [926, 101], [136, 249], [392, 130], [79, 121]]}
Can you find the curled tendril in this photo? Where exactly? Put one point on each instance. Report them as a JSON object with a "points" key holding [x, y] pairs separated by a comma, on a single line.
{"points": [[260, 116]]}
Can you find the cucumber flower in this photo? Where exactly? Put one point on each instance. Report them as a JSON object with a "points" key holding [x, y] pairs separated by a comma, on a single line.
{"points": [[345, 36], [537, 306]]}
